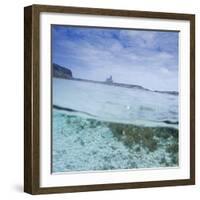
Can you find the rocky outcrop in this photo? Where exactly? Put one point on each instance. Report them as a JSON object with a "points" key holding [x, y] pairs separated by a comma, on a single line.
{"points": [[61, 72]]}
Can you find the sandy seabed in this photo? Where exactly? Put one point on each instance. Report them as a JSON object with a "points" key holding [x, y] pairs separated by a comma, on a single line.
{"points": [[87, 144]]}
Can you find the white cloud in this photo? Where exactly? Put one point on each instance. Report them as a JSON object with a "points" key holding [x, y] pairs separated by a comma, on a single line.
{"points": [[134, 57]]}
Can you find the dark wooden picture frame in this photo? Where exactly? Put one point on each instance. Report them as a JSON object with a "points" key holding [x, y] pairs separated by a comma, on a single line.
{"points": [[32, 96]]}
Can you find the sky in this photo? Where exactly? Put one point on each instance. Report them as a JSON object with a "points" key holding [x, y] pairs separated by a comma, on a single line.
{"points": [[142, 57]]}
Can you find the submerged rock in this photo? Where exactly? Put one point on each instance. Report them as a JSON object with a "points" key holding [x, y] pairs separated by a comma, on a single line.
{"points": [[148, 137]]}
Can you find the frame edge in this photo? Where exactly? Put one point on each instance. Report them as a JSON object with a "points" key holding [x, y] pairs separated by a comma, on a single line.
{"points": [[192, 98], [31, 106], [27, 99]]}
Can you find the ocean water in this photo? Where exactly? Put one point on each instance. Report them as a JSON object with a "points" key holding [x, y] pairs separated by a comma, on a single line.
{"points": [[102, 127]]}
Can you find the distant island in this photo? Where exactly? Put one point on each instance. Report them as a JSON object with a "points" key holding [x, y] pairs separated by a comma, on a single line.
{"points": [[65, 73]]}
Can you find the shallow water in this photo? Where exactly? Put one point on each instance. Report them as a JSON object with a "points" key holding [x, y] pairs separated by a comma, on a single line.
{"points": [[117, 104], [103, 127], [83, 144]]}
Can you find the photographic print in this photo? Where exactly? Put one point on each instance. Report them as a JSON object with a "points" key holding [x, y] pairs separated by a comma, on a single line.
{"points": [[115, 98], [109, 99]]}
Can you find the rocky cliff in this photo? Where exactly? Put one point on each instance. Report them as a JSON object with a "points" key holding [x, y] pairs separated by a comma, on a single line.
{"points": [[61, 72]]}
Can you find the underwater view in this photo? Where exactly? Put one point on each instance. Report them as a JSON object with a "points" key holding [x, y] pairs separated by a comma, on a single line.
{"points": [[105, 127]]}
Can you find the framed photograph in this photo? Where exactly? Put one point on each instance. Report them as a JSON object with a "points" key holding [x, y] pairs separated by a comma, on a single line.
{"points": [[109, 99]]}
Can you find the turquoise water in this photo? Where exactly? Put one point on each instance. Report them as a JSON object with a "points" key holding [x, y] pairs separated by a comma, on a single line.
{"points": [[103, 127], [86, 144]]}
